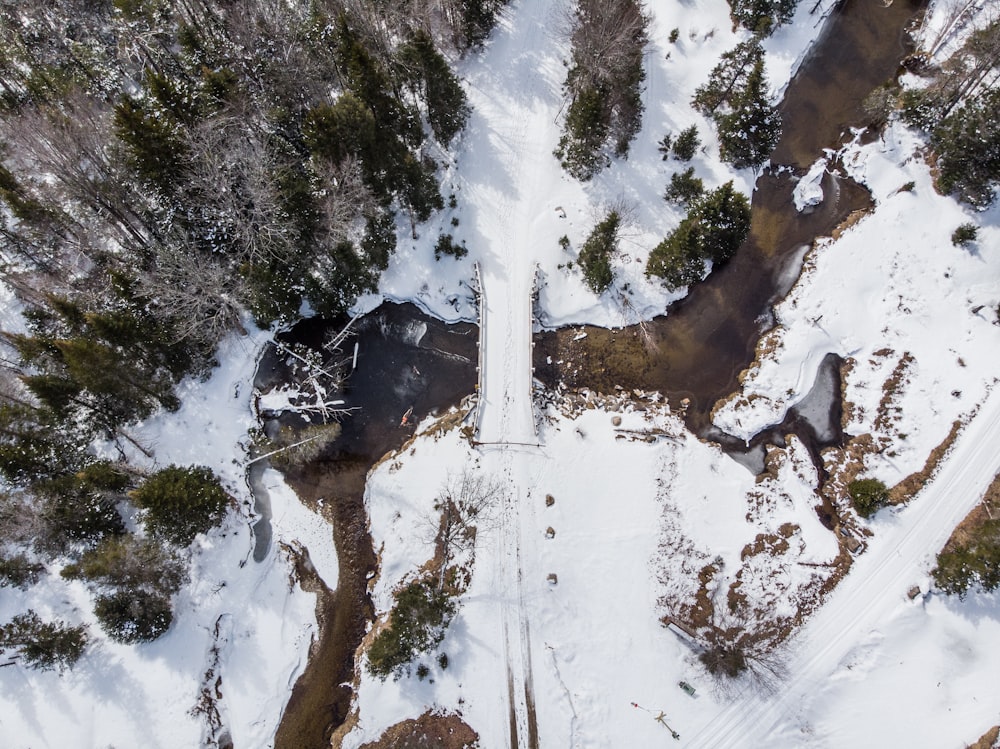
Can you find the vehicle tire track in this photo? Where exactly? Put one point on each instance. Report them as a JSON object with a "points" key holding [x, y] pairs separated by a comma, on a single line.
{"points": [[867, 594]]}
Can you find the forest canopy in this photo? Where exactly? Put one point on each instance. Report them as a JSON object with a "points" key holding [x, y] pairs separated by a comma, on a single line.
{"points": [[168, 170]]}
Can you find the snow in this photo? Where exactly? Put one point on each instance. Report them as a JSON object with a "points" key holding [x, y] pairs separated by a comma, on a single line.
{"points": [[143, 695], [809, 190], [640, 507], [634, 522], [911, 292]]}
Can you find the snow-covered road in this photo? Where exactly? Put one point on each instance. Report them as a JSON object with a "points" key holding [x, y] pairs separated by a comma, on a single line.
{"points": [[513, 133]]}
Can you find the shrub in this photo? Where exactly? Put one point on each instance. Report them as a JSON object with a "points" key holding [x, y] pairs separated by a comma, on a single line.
{"points": [[684, 188], [181, 502], [727, 660], [417, 624], [665, 146], [446, 245], [974, 562], [595, 255], [43, 645], [133, 615], [687, 143], [868, 495], [964, 235]]}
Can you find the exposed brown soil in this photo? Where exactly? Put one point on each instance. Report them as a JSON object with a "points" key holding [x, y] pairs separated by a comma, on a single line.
{"points": [[429, 731], [988, 509], [989, 740], [905, 490]]}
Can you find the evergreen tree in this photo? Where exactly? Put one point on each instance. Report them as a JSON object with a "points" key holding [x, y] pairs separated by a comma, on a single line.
{"points": [[715, 227], [595, 255], [729, 77], [74, 515], [345, 128], [749, 133], [684, 187], [367, 79], [477, 19], [586, 129], [157, 150], [418, 623], [131, 563], [762, 16], [133, 616], [181, 502], [724, 218], [868, 496], [19, 571], [973, 562], [604, 84], [43, 645], [687, 143], [967, 143], [447, 107]]}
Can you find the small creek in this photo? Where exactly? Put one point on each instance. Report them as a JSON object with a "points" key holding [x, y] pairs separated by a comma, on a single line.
{"points": [[406, 360], [696, 351]]}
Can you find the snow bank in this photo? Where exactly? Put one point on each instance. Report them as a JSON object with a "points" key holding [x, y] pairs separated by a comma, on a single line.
{"points": [[505, 156], [808, 191], [893, 286], [144, 695]]}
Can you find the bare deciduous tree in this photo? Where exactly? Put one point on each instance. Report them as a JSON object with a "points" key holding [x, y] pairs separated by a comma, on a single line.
{"points": [[466, 505]]}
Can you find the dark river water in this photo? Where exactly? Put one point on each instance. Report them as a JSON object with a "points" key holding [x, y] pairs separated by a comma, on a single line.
{"points": [[408, 360]]}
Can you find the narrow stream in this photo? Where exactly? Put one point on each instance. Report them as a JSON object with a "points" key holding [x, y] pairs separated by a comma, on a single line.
{"points": [[409, 360], [697, 350]]}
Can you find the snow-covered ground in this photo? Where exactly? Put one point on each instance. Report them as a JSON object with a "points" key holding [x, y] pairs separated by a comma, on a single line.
{"points": [[634, 522], [144, 695], [640, 506]]}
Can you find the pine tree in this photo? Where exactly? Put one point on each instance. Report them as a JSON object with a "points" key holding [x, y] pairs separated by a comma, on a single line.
{"points": [[723, 216], [604, 84], [684, 187], [715, 227], [447, 107], [19, 571], [967, 143], [131, 616], [749, 133], [586, 129], [595, 255], [762, 16], [729, 77], [132, 563], [181, 502], [687, 143], [43, 645], [157, 150]]}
